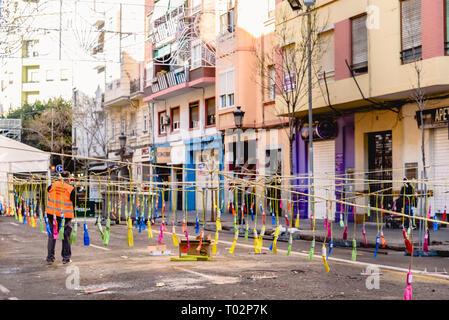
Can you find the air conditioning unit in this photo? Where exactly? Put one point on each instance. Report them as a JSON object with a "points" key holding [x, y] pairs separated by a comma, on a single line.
{"points": [[166, 120]]}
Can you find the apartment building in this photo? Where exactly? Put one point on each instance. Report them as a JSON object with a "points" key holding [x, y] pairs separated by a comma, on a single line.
{"points": [[127, 116], [374, 49], [37, 65], [180, 91], [245, 65]]}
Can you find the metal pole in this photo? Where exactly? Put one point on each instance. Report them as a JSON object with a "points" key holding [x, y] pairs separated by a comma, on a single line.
{"points": [[309, 53]]}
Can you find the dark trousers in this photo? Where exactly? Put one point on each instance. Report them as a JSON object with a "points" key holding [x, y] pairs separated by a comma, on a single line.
{"points": [[66, 252]]}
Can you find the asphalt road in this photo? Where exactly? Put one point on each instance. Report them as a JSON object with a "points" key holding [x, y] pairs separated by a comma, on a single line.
{"points": [[122, 272]]}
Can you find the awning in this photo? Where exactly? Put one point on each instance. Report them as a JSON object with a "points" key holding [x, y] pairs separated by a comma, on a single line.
{"points": [[165, 50]]}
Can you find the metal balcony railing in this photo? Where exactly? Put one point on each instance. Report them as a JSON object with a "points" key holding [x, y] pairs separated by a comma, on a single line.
{"points": [[168, 80], [135, 86]]}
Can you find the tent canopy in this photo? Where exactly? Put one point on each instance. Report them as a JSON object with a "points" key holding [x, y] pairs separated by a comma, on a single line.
{"points": [[18, 157]]}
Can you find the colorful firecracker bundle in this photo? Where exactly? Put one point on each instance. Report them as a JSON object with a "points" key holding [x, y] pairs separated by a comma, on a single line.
{"points": [[247, 205]]}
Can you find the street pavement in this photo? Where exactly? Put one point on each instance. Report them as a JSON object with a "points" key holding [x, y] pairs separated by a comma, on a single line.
{"points": [[438, 244], [121, 272]]}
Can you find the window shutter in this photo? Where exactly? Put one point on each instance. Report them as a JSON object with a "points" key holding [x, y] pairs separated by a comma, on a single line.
{"points": [[222, 83], [230, 82], [359, 41], [328, 56], [411, 24]]}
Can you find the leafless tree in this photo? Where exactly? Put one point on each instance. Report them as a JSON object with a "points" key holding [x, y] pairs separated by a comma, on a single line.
{"points": [[284, 70], [17, 21]]}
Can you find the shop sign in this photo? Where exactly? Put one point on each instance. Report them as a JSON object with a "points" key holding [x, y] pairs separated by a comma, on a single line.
{"points": [[145, 153], [434, 118], [163, 155]]}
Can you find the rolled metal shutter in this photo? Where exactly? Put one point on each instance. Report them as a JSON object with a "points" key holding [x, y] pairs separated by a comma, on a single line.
{"points": [[324, 174]]}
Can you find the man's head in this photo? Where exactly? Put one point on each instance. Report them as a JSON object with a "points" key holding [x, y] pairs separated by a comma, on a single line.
{"points": [[66, 176]]}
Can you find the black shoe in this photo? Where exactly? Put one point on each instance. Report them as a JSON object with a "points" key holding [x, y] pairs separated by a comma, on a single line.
{"points": [[50, 262], [66, 261]]}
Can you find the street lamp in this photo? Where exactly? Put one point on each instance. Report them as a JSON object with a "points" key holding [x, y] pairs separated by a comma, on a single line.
{"points": [[238, 120], [309, 4], [122, 141]]}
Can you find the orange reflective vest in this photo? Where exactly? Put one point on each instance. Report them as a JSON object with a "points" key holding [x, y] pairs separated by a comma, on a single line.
{"points": [[59, 200]]}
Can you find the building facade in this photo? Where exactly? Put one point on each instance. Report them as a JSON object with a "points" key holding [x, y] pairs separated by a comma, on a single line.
{"points": [[180, 92], [380, 57]]}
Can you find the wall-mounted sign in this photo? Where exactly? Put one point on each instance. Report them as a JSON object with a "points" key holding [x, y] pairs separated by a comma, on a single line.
{"points": [[434, 118], [322, 130], [145, 153], [163, 154]]}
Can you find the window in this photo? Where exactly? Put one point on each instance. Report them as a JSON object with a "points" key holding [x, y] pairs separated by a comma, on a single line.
{"points": [[289, 82], [145, 124], [112, 128], [194, 115], [175, 121], [50, 76], [162, 124], [210, 112], [446, 44], [196, 55], [227, 22], [359, 45], [32, 74], [64, 74], [327, 60], [230, 99], [132, 124], [272, 75], [226, 89], [30, 49], [196, 5], [411, 30]]}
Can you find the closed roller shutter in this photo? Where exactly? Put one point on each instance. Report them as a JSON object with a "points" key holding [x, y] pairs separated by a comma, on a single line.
{"points": [[441, 169], [324, 173]]}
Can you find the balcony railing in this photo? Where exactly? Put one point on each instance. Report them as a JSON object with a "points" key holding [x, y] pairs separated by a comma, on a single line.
{"points": [[135, 86], [169, 79], [167, 29]]}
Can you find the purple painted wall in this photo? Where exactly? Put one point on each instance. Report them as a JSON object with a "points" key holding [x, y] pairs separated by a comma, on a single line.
{"points": [[300, 162], [344, 158]]}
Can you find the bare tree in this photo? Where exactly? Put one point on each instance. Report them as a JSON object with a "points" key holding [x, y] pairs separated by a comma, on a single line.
{"points": [[284, 70], [56, 122], [17, 21], [90, 120]]}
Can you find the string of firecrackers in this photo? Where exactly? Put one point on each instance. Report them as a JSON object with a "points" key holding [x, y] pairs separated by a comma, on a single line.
{"points": [[341, 202], [407, 294], [128, 164], [356, 205]]}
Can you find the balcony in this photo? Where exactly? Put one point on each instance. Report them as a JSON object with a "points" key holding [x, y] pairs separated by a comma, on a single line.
{"points": [[179, 81], [30, 86], [117, 93], [136, 88]]}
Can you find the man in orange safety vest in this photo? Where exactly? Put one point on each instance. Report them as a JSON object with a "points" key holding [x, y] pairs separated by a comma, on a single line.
{"points": [[61, 199]]}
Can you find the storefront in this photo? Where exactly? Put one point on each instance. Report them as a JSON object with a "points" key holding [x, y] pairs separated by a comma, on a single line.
{"points": [[436, 123], [333, 157]]}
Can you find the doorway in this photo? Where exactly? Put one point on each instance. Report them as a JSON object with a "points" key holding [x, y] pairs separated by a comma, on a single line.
{"points": [[380, 161]]}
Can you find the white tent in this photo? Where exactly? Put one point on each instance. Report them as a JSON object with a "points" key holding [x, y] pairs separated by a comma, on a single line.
{"points": [[16, 157]]}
